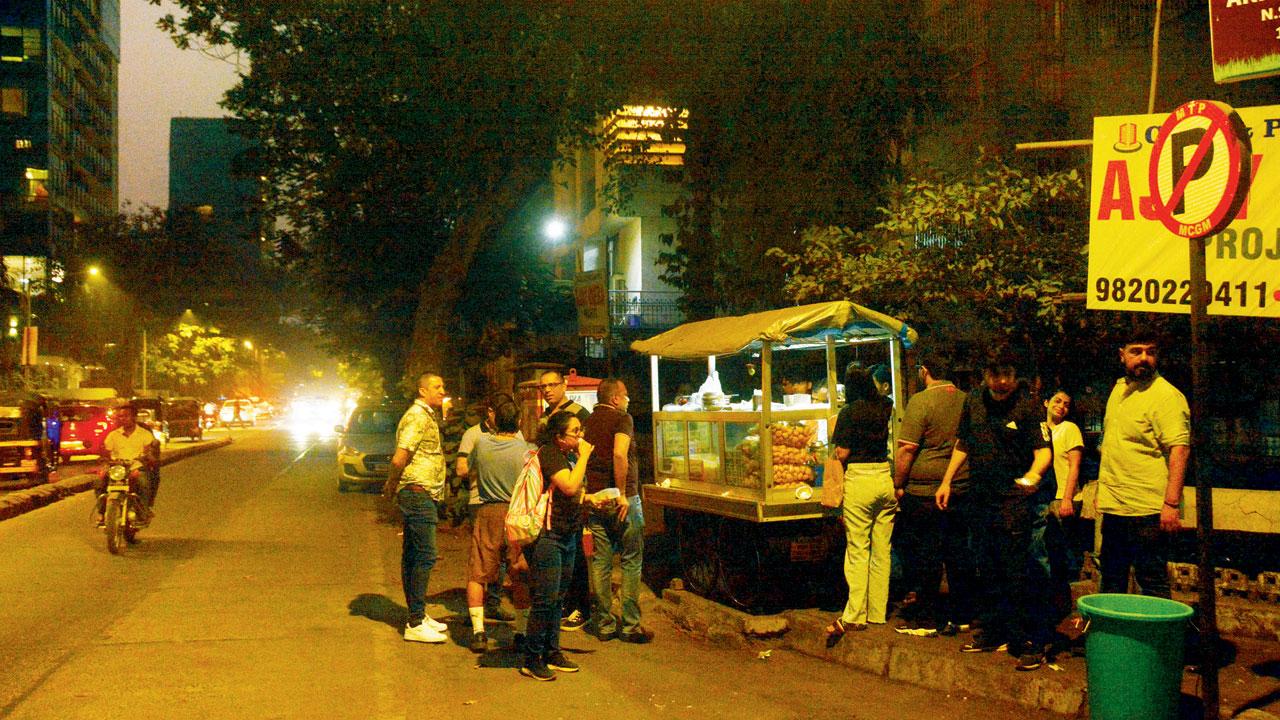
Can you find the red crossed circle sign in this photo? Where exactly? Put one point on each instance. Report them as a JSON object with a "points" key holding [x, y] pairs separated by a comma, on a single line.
{"points": [[1199, 195]]}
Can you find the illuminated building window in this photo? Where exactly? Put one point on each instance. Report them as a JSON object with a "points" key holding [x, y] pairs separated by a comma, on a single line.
{"points": [[37, 180], [18, 44], [646, 135], [22, 144], [13, 101], [204, 211]]}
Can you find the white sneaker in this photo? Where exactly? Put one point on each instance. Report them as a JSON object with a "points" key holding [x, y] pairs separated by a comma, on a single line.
{"points": [[424, 633], [435, 624]]}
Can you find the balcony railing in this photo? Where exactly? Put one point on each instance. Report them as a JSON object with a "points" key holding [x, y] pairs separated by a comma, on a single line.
{"points": [[644, 310]]}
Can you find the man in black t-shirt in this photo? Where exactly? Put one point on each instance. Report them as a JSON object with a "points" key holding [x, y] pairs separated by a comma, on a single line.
{"points": [[616, 519], [1004, 438]]}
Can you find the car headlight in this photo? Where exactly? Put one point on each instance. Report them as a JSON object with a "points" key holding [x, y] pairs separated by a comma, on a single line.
{"points": [[346, 451]]}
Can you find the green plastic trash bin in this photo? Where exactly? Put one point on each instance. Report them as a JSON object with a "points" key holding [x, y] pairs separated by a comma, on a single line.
{"points": [[1133, 650]]}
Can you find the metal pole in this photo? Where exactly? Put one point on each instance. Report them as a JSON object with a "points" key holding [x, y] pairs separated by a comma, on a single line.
{"points": [[1208, 618], [144, 359], [1155, 59], [26, 332]]}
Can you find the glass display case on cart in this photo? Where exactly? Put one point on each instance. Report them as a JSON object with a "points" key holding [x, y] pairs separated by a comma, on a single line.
{"points": [[742, 472]]}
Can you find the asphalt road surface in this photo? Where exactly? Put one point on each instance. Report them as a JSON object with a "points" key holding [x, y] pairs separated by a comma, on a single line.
{"points": [[261, 592]]}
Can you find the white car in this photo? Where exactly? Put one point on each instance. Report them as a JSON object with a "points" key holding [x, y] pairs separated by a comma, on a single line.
{"points": [[237, 412]]}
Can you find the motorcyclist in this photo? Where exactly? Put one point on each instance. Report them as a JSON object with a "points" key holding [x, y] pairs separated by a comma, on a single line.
{"points": [[137, 445]]}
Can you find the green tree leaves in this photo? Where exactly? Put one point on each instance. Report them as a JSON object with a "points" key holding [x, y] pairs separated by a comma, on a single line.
{"points": [[193, 360], [969, 258]]}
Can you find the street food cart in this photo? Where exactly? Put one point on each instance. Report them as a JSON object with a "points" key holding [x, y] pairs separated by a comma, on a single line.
{"points": [[742, 471]]}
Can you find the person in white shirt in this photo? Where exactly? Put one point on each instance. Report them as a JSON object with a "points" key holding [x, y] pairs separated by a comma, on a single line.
{"points": [[135, 444]]}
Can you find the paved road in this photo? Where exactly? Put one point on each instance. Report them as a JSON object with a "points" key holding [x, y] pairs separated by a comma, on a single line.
{"points": [[261, 592]]}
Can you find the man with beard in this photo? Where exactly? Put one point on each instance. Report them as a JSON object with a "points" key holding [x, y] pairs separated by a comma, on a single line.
{"points": [[1146, 438]]}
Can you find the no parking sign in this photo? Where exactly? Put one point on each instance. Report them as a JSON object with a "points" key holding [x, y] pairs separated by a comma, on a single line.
{"points": [[1199, 196]]}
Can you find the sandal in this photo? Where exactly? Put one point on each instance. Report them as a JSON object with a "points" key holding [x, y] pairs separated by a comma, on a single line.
{"points": [[838, 628]]}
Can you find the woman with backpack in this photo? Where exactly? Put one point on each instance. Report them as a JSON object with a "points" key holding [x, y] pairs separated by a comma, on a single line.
{"points": [[563, 458]]}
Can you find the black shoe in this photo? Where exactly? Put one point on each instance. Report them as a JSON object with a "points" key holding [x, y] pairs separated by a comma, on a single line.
{"points": [[607, 635], [1029, 661], [479, 643], [499, 614], [573, 621], [948, 629], [559, 662], [981, 643], [639, 636], [537, 669], [517, 642]]}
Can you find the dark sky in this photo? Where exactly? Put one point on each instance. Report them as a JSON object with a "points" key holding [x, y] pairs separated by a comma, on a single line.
{"points": [[158, 81]]}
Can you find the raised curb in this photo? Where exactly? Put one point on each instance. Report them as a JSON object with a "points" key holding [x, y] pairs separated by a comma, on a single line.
{"points": [[925, 662], [24, 501]]}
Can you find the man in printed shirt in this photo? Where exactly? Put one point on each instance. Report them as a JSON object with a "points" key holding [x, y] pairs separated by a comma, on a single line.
{"points": [[1146, 442], [417, 478]]}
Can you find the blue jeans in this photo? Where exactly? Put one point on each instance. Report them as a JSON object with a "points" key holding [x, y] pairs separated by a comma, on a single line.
{"points": [[418, 555], [1136, 542], [626, 539], [550, 559]]}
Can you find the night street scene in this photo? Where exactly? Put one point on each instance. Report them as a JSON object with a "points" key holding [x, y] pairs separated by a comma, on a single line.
{"points": [[782, 359]]}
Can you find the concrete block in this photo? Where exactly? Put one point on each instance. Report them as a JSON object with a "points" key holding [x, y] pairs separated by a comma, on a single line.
{"points": [[764, 626], [927, 669]]}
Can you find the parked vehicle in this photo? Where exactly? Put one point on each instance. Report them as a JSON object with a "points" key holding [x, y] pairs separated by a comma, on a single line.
{"points": [[209, 414], [27, 453], [183, 417], [153, 416], [237, 412], [365, 444], [263, 409], [85, 426], [122, 512]]}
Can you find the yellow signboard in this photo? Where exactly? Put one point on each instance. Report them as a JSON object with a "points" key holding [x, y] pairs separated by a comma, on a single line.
{"points": [[1136, 262]]}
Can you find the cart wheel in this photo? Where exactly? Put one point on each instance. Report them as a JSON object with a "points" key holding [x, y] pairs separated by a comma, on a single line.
{"points": [[742, 579], [698, 560]]}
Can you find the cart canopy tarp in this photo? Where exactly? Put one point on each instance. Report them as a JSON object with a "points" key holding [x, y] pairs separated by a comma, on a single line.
{"points": [[729, 335]]}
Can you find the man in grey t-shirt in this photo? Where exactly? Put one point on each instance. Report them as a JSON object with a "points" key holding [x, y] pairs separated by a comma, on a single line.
{"points": [[926, 537]]}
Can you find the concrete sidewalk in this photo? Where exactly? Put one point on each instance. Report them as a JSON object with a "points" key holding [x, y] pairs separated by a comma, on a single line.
{"points": [[70, 479], [1250, 684]]}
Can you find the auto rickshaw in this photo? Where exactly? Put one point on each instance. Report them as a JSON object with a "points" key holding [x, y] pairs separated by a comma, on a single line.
{"points": [[27, 454]]}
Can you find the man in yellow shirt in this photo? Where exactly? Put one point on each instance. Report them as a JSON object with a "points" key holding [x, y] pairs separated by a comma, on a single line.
{"points": [[1146, 442]]}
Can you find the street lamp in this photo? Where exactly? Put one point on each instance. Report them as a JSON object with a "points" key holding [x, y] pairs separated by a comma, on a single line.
{"points": [[555, 229]]}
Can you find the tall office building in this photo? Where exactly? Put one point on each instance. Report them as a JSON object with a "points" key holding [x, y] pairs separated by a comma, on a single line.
{"points": [[59, 63]]}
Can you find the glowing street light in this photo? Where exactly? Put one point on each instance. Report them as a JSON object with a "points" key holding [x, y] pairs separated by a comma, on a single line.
{"points": [[555, 229]]}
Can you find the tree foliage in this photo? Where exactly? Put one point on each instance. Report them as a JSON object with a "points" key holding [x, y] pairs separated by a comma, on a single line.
{"points": [[394, 136], [970, 259], [193, 360]]}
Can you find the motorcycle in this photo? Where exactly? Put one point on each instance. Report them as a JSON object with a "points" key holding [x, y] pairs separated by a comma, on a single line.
{"points": [[123, 511]]}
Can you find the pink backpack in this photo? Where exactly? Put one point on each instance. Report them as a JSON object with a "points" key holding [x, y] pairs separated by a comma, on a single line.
{"points": [[530, 510]]}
